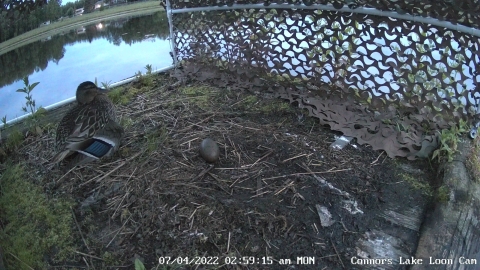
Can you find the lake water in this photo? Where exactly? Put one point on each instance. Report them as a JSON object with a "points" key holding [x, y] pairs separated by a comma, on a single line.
{"points": [[108, 51], [115, 50]]}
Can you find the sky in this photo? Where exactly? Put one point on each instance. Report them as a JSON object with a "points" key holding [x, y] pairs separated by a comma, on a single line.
{"points": [[67, 1]]}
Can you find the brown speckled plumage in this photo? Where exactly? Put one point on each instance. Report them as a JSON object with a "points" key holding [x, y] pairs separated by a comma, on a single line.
{"points": [[93, 118]]}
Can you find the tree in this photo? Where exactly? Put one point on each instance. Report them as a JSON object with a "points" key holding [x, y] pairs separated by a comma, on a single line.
{"points": [[53, 10], [89, 6], [70, 12]]}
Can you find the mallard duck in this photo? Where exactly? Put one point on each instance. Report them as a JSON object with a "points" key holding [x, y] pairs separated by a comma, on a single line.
{"points": [[88, 131]]}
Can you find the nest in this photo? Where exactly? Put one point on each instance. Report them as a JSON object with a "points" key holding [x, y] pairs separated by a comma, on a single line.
{"points": [[157, 197]]}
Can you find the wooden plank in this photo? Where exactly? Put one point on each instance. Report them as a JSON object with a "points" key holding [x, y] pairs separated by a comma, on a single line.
{"points": [[450, 236]]}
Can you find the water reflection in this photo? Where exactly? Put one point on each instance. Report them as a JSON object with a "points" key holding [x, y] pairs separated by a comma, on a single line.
{"points": [[109, 51]]}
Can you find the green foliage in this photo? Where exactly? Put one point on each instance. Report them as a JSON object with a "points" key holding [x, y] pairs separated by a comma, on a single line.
{"points": [[443, 194], [147, 79], [149, 69], [4, 121], [32, 226], [417, 184], [14, 140], [105, 85], [35, 114], [69, 12], [155, 138], [27, 89], [449, 141], [139, 265], [277, 107], [119, 96]]}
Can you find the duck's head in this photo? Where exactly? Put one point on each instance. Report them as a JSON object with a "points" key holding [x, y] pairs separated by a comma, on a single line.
{"points": [[86, 92]]}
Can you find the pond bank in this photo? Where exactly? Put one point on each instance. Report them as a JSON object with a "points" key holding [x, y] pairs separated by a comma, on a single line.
{"points": [[142, 8]]}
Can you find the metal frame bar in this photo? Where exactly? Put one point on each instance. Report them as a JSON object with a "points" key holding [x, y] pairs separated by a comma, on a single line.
{"points": [[170, 25], [360, 10]]}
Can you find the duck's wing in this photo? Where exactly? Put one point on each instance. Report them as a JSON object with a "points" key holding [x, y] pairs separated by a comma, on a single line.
{"points": [[80, 124], [104, 143]]}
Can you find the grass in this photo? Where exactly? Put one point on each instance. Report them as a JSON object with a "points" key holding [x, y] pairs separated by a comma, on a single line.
{"points": [[34, 225], [68, 23], [417, 184]]}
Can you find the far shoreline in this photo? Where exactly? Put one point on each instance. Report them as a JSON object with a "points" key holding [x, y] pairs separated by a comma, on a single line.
{"points": [[143, 8]]}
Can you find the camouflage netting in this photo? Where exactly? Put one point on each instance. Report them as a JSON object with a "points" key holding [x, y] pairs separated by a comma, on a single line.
{"points": [[388, 82]]}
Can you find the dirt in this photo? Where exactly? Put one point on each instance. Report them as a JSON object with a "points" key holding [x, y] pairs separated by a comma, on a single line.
{"points": [[256, 208]]}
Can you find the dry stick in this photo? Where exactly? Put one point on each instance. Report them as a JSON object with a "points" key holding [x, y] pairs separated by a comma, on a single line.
{"points": [[200, 175], [294, 157], [88, 255], [260, 194], [256, 129], [78, 227], [297, 174], [86, 262], [282, 189], [338, 255], [228, 243], [258, 160], [20, 260], [196, 124], [196, 138], [58, 181], [149, 109], [198, 265], [238, 102], [114, 169], [375, 161], [218, 185], [118, 232], [107, 174], [124, 196]]}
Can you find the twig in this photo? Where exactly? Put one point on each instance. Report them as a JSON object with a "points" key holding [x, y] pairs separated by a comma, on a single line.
{"points": [[78, 227], [146, 110], [107, 174], [228, 243], [294, 157], [58, 181], [260, 194], [338, 255], [118, 232], [375, 161], [282, 189], [256, 129], [88, 255], [189, 141], [20, 260], [297, 174], [124, 196], [201, 174], [258, 160], [196, 124]]}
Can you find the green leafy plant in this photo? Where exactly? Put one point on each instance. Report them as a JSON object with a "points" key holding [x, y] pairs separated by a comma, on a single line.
{"points": [[14, 140], [149, 69], [30, 106], [449, 141], [106, 85], [147, 78], [139, 265]]}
